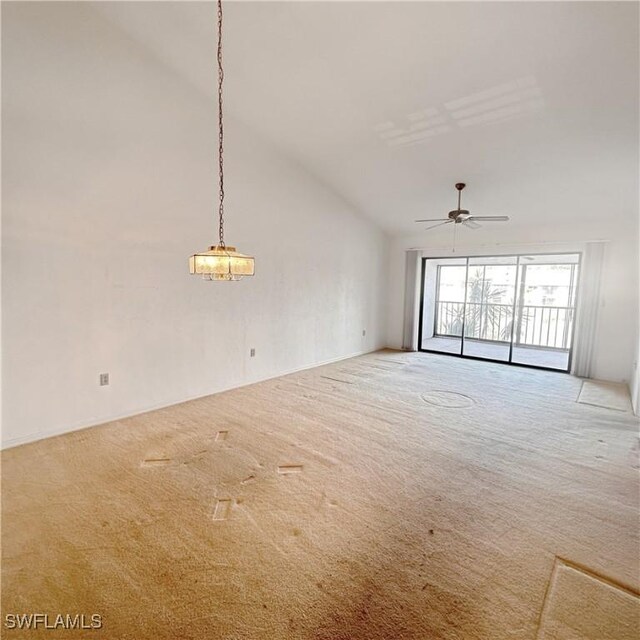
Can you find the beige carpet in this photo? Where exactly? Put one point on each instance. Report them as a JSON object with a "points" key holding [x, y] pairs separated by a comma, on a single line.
{"points": [[388, 496]]}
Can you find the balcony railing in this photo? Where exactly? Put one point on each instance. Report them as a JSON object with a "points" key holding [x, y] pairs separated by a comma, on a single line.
{"points": [[536, 326]]}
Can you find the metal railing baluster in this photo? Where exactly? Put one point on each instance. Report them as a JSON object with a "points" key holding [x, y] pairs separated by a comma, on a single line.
{"points": [[541, 325]]}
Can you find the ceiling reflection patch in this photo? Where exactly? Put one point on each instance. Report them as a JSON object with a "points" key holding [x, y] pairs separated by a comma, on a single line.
{"points": [[500, 103]]}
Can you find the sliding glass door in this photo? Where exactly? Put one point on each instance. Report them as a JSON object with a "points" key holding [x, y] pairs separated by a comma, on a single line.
{"points": [[444, 284], [546, 309], [518, 309], [489, 307]]}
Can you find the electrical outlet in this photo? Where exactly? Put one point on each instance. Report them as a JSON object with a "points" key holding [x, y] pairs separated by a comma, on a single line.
{"points": [[104, 379], [252, 353]]}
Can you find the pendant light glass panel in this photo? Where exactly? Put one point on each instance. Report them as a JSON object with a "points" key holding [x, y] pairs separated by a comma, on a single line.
{"points": [[221, 263]]}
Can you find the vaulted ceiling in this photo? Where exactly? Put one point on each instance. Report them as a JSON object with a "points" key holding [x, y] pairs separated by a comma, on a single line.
{"points": [[533, 104]]}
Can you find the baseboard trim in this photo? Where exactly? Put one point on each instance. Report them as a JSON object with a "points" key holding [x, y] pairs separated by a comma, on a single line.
{"points": [[43, 435]]}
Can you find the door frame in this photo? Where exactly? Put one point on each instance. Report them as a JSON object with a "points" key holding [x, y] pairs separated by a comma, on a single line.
{"points": [[576, 286]]}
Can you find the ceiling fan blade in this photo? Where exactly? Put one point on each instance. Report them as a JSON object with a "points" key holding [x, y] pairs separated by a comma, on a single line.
{"points": [[433, 220], [433, 226], [471, 223], [489, 218]]}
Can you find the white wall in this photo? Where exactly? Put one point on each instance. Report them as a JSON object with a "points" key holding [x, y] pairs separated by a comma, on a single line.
{"points": [[109, 185], [617, 331]]}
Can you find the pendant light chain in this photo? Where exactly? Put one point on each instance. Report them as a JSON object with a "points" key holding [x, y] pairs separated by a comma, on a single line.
{"points": [[220, 131], [220, 262]]}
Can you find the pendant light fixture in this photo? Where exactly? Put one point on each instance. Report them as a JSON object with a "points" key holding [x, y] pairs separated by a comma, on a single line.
{"points": [[221, 262]]}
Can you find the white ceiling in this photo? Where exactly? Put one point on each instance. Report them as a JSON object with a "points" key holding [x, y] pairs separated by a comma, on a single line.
{"points": [[533, 105]]}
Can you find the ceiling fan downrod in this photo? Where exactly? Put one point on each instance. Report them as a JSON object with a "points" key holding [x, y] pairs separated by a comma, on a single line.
{"points": [[460, 186]]}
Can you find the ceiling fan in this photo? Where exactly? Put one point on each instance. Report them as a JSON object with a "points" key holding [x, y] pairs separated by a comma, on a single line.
{"points": [[462, 216]]}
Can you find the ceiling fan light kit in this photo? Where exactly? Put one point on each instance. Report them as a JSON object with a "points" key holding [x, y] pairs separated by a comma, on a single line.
{"points": [[221, 262]]}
